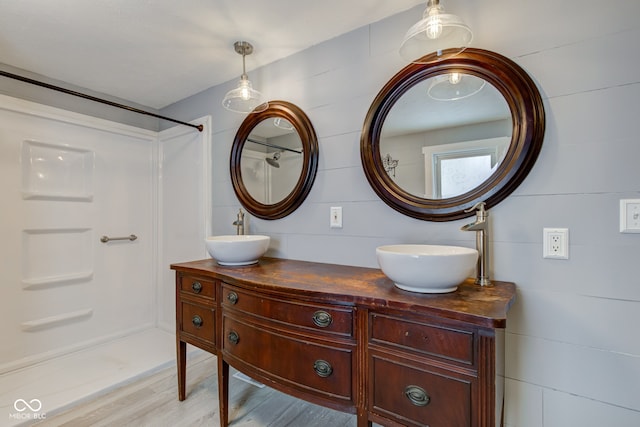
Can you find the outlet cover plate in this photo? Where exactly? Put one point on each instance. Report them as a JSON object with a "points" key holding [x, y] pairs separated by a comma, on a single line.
{"points": [[555, 243], [630, 216]]}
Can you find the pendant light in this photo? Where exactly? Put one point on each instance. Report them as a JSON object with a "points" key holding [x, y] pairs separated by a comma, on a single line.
{"points": [[244, 98], [454, 86], [282, 123], [437, 32]]}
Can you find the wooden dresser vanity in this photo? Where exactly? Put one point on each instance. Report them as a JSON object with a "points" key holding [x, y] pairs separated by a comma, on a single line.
{"points": [[346, 338]]}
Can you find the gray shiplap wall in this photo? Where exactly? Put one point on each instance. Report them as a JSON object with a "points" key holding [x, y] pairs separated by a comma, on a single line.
{"points": [[573, 353]]}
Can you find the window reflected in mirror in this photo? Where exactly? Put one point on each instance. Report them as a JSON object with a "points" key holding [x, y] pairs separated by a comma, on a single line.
{"points": [[457, 168]]}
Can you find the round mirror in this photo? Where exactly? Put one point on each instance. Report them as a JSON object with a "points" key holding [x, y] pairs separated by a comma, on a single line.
{"points": [[441, 137], [274, 160]]}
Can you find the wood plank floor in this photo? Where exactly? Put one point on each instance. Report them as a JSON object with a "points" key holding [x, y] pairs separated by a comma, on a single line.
{"points": [[153, 402]]}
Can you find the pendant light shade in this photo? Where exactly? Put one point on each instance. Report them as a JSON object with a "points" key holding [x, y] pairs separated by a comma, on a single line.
{"points": [[454, 86], [282, 123], [436, 32], [244, 98]]}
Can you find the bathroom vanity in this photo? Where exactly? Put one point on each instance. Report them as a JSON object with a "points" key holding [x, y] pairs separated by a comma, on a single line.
{"points": [[346, 338]]}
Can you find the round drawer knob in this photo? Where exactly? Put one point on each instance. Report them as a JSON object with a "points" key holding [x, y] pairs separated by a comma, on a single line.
{"points": [[197, 321], [196, 287], [322, 319], [232, 297], [234, 338], [417, 395], [322, 368]]}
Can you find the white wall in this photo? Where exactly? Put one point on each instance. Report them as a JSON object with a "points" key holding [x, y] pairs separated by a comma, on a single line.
{"points": [[573, 353]]}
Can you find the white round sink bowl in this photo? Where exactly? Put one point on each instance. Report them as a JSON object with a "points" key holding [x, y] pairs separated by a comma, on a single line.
{"points": [[427, 268], [237, 250]]}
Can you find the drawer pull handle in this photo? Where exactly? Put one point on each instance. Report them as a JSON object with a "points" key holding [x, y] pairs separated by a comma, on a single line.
{"points": [[196, 287], [417, 395], [232, 297], [322, 368], [322, 319], [234, 338], [197, 321]]}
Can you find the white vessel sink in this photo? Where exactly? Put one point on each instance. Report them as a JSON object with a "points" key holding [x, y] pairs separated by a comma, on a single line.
{"points": [[427, 268], [237, 250]]}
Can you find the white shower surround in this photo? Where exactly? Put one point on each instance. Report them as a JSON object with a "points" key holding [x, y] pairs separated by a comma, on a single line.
{"points": [[66, 180]]}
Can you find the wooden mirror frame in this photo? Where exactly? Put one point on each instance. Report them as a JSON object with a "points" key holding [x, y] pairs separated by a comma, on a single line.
{"points": [[527, 113], [304, 128]]}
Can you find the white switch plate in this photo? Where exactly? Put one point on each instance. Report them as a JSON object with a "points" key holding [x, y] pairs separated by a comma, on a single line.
{"points": [[336, 217], [630, 216], [555, 243]]}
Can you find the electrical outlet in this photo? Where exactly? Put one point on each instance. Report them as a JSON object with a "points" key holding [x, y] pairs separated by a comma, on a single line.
{"points": [[336, 217], [555, 243], [630, 216]]}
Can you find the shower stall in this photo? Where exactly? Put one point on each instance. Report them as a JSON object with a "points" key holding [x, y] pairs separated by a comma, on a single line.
{"points": [[88, 207]]}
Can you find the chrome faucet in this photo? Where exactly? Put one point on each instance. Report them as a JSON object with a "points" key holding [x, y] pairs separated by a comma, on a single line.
{"points": [[239, 222], [481, 227]]}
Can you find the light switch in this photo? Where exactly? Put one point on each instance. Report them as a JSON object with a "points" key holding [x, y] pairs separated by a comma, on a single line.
{"points": [[630, 216], [336, 217]]}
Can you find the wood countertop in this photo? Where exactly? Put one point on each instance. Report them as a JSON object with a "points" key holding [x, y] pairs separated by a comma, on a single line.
{"points": [[361, 286]]}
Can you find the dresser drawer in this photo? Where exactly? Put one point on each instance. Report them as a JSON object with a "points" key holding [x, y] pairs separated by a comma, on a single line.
{"points": [[315, 368], [449, 343], [320, 318], [418, 396], [198, 320], [197, 287]]}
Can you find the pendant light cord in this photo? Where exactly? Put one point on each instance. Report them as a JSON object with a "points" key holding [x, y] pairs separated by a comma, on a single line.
{"points": [[200, 127]]}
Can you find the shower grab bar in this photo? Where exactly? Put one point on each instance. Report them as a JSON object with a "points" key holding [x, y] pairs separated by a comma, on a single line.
{"points": [[105, 239]]}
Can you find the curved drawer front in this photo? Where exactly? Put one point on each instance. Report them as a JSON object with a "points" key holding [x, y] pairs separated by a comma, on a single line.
{"points": [[197, 287], [452, 344], [418, 396], [198, 320], [320, 318], [316, 368]]}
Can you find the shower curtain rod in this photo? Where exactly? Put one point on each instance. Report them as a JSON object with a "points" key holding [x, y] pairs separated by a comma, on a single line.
{"points": [[93, 98], [266, 144]]}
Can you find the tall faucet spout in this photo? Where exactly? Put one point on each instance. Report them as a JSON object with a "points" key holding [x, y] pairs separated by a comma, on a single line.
{"points": [[239, 223], [475, 226], [481, 227]]}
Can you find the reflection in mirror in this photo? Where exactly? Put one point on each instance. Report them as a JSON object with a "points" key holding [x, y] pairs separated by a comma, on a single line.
{"points": [[454, 86], [446, 135], [271, 161], [274, 160]]}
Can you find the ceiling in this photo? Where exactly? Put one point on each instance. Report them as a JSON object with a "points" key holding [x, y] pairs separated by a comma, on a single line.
{"points": [[156, 52]]}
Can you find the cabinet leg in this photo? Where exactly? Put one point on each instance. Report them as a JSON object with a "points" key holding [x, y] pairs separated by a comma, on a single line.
{"points": [[181, 348], [363, 420], [223, 391]]}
